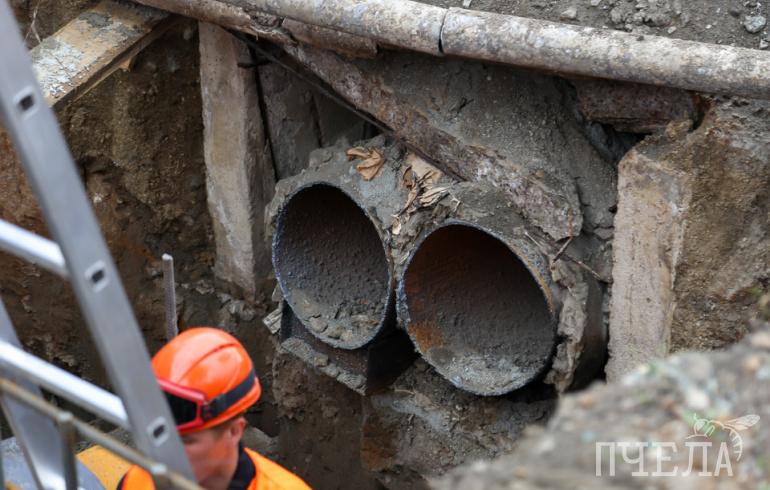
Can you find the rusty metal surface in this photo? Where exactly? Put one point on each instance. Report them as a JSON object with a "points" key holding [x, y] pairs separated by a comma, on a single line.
{"points": [[92, 46], [475, 311], [632, 107], [332, 266]]}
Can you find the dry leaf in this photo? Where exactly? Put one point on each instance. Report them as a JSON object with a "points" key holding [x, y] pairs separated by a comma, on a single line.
{"points": [[423, 171], [410, 199], [357, 152], [373, 162], [407, 177], [433, 196]]}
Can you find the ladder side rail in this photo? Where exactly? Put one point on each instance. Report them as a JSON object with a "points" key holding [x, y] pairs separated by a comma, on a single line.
{"points": [[51, 171], [98, 401], [37, 434], [94, 435]]}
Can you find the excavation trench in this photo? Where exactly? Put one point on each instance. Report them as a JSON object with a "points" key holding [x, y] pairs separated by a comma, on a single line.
{"points": [[332, 266], [477, 311]]}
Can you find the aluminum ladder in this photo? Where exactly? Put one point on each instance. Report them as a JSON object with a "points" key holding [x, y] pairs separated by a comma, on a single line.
{"points": [[79, 254]]}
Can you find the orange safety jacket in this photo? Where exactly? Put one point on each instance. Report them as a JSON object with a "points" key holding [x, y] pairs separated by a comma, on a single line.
{"points": [[254, 472]]}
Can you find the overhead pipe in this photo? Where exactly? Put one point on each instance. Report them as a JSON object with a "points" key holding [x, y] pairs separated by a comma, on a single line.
{"points": [[532, 43]]}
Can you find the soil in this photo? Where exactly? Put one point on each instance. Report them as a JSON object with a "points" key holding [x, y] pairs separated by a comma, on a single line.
{"points": [[711, 21]]}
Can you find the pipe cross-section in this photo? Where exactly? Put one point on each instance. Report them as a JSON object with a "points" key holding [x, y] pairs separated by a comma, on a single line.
{"points": [[332, 266]]}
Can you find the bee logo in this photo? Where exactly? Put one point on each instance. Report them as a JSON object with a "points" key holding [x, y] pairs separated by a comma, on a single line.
{"points": [[706, 427]]}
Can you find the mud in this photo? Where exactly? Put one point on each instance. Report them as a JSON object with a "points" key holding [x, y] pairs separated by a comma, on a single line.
{"points": [[423, 426]]}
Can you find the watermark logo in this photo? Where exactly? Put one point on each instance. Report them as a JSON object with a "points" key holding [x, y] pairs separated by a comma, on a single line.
{"points": [[655, 458]]}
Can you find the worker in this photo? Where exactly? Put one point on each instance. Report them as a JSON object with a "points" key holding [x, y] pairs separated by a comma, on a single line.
{"points": [[209, 382]]}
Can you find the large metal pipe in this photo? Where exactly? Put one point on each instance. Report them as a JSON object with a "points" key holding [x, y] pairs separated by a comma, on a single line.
{"points": [[479, 308], [332, 266], [331, 251], [479, 295], [487, 304]]}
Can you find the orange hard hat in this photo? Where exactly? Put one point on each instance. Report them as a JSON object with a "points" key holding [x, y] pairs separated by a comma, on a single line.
{"points": [[207, 377]]}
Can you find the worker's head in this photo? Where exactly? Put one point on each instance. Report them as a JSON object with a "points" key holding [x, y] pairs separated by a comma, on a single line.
{"points": [[209, 381]]}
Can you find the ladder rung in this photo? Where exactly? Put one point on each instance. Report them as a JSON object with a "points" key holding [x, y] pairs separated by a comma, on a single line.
{"points": [[33, 248], [58, 381]]}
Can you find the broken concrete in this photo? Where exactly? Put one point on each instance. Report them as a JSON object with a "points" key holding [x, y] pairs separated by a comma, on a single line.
{"points": [[691, 241], [239, 167], [422, 426], [486, 124]]}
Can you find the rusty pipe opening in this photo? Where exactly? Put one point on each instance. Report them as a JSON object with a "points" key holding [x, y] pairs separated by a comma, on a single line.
{"points": [[332, 266], [475, 310]]}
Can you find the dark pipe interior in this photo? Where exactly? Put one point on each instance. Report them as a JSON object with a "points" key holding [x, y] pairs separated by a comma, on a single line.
{"points": [[475, 312], [331, 265]]}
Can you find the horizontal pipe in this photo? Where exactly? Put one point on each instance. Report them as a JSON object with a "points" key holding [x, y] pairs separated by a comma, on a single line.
{"points": [[33, 248], [531, 43], [604, 53], [212, 11], [60, 382], [402, 23]]}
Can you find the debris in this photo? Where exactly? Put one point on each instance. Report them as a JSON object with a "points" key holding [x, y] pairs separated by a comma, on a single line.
{"points": [[395, 228], [372, 163], [433, 195], [569, 14], [595, 3], [422, 171], [467, 3], [754, 23], [764, 44], [273, 320], [317, 324]]}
